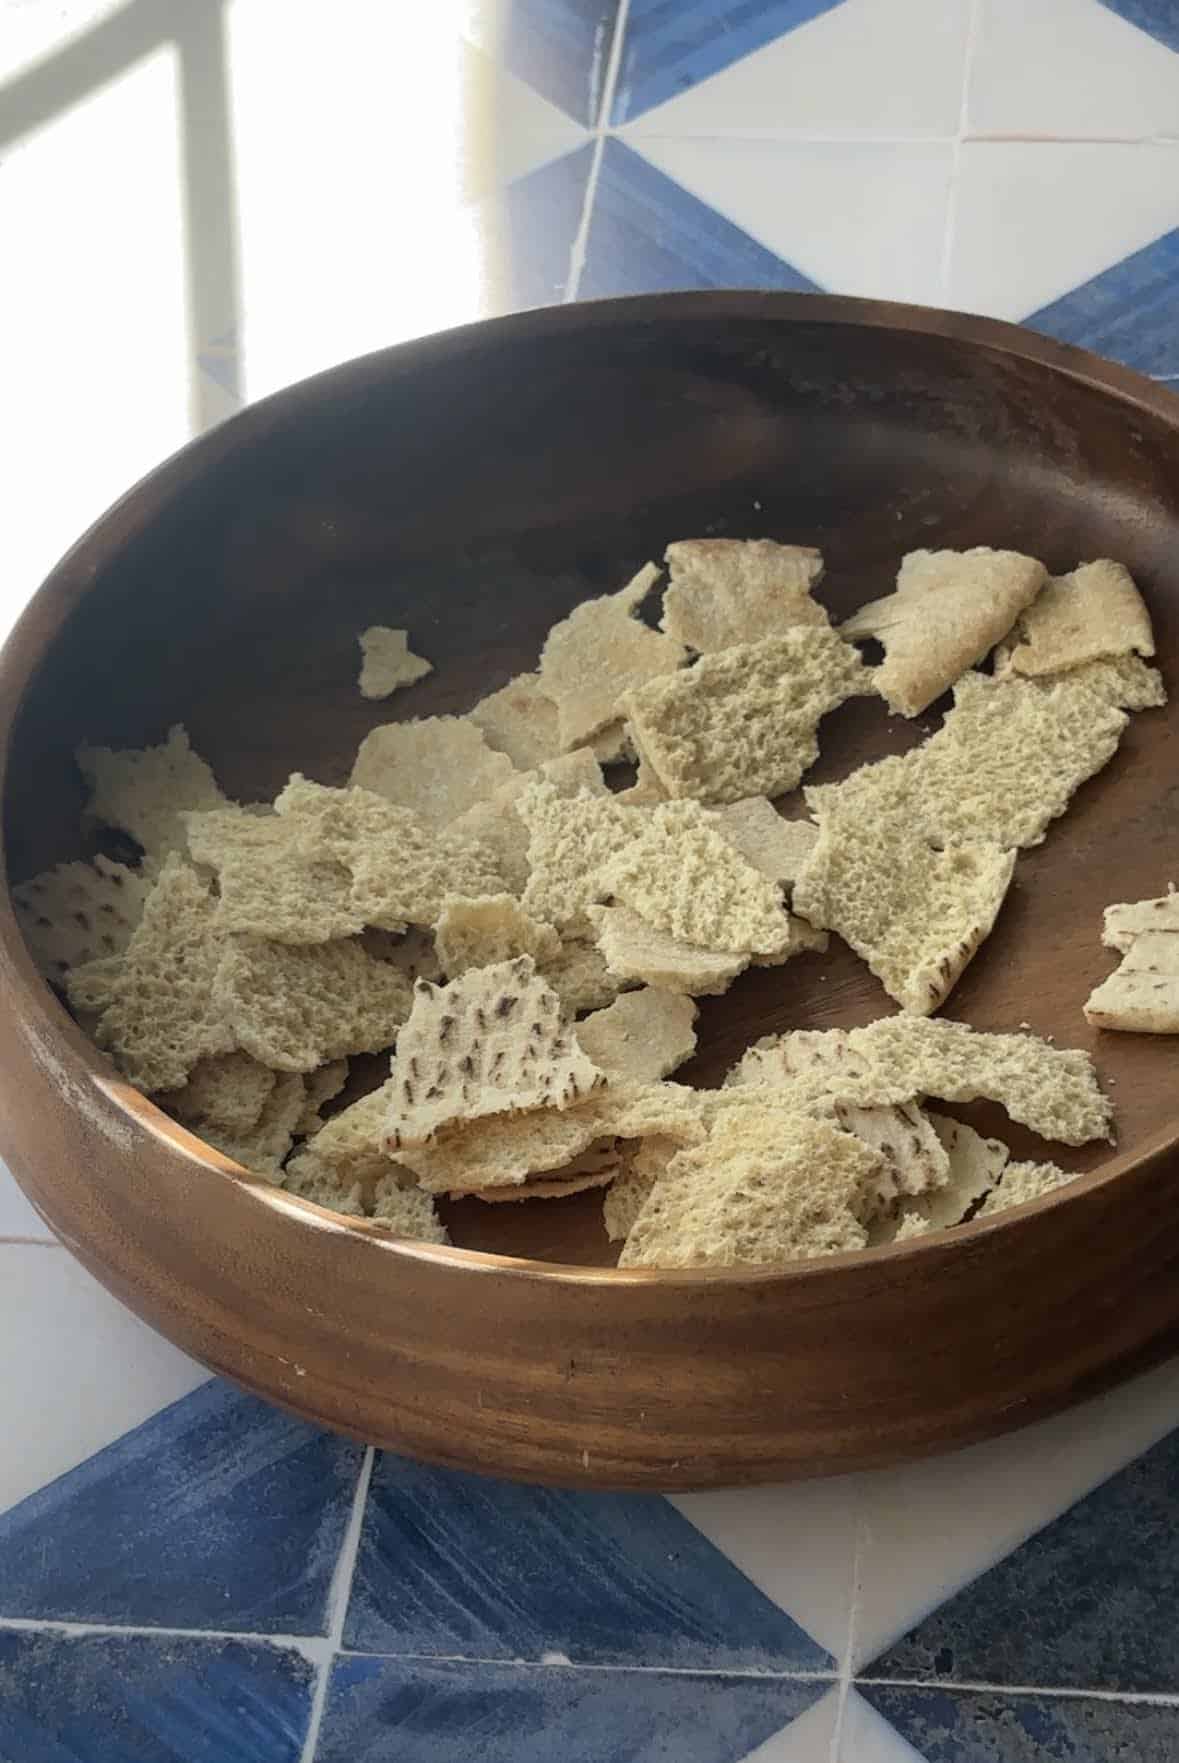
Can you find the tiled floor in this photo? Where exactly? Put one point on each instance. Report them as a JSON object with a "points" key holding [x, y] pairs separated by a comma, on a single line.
{"points": [[191, 218]]}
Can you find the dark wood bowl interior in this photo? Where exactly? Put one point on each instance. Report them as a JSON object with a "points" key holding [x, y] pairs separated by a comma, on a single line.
{"points": [[473, 488]]}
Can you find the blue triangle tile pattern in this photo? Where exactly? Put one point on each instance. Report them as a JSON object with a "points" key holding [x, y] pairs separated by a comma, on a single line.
{"points": [[671, 45], [139, 1699], [540, 214], [561, 48], [990, 1726], [647, 234], [1089, 1602], [1130, 312], [403, 1711], [457, 1565], [1158, 18], [218, 1513]]}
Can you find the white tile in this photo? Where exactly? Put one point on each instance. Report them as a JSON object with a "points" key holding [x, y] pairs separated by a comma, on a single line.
{"points": [[795, 1543], [806, 1740], [32, 33], [96, 364], [77, 1370], [17, 1217], [929, 1529], [866, 68], [508, 129], [866, 1738], [1069, 67], [855, 218], [1035, 220]]}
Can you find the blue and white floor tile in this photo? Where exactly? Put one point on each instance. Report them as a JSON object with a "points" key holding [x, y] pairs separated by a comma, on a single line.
{"points": [[189, 1577]]}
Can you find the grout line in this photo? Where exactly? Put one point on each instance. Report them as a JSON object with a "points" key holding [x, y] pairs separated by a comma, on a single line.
{"points": [[29, 1243], [951, 232], [559, 1662], [600, 132], [1146, 1698], [847, 1663], [338, 1596], [312, 1646]]}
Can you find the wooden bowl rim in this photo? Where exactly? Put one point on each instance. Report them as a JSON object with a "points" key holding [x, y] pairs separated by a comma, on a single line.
{"points": [[86, 1073]]}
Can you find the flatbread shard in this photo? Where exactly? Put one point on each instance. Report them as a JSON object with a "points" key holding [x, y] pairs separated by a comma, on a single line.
{"points": [[496, 826], [160, 1015], [388, 662], [145, 791], [776, 846], [277, 877], [641, 1037], [722, 592], [262, 1148], [636, 953], [1021, 1182], [975, 1165], [912, 1157], [795, 1192], [407, 1212], [487, 929], [297, 1008], [228, 1091], [350, 1147], [492, 1042], [570, 841], [1128, 919], [436, 766], [642, 1162], [743, 721], [595, 1168], [1093, 612], [1142, 996], [504, 1150], [681, 876], [519, 720], [79, 912], [321, 1087], [1002, 767], [580, 977], [597, 654], [915, 912], [948, 610]]}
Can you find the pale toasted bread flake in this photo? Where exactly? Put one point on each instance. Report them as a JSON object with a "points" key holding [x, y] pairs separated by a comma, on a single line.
{"points": [[297, 1008], [322, 1087], [580, 977], [597, 654], [570, 840], [506, 1149], [388, 662], [634, 952], [722, 592], [407, 1212], [349, 1147], [228, 1091], [262, 1147], [79, 912], [488, 929], [1021, 1182], [1093, 612], [277, 876], [776, 846], [641, 1037], [436, 766], [145, 791], [519, 720], [975, 1166]]}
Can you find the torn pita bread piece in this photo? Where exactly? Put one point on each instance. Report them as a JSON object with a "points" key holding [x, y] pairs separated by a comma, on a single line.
{"points": [[145, 791], [916, 913], [349, 1150], [795, 1191], [79, 912], [1124, 681], [1021, 1182], [505, 1150], [580, 977], [646, 791], [636, 953], [493, 1042], [160, 1016], [321, 1087], [722, 592], [975, 1165], [261, 1148], [1002, 767], [641, 1163], [387, 662], [613, 745], [436, 766], [912, 1157], [595, 1168], [1142, 996], [641, 1037], [413, 953], [277, 877], [743, 721], [597, 654], [1092, 613], [407, 1212], [296, 1008], [496, 826], [519, 720], [1128, 919], [682, 877], [948, 610], [488, 929], [228, 1091], [570, 841], [776, 846]]}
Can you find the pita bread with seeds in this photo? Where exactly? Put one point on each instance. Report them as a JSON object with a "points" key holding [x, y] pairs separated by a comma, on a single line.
{"points": [[975, 1165], [596, 655], [1127, 920], [79, 912], [949, 609], [436, 766], [387, 662], [722, 592], [1142, 996]]}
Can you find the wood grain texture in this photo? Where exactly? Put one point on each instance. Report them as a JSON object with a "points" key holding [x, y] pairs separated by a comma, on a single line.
{"points": [[472, 488]]}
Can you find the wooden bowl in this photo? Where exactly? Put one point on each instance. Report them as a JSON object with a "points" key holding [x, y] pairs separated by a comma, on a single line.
{"points": [[473, 487]]}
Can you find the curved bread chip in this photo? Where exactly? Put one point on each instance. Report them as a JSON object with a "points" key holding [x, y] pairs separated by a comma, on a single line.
{"points": [[491, 928], [776, 846], [743, 721], [1093, 612], [949, 609], [388, 662], [309, 1180], [1021, 1182], [975, 1165], [594, 1169], [492, 1042], [506, 1149], [635, 952], [228, 1091], [917, 914], [580, 977], [322, 1087], [641, 1164], [641, 1036], [1128, 919], [79, 912], [598, 653], [276, 877], [570, 841], [1142, 996], [436, 766], [407, 1212], [722, 592], [519, 720], [350, 1146], [262, 1147], [912, 1157], [297, 1008], [145, 790]]}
